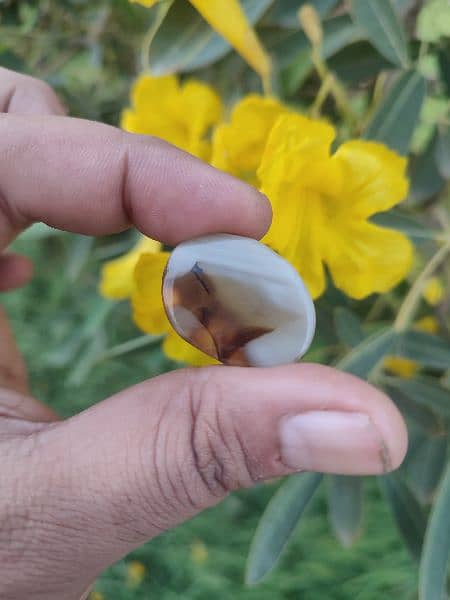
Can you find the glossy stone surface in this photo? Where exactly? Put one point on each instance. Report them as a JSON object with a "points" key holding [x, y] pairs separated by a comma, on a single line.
{"points": [[238, 301]]}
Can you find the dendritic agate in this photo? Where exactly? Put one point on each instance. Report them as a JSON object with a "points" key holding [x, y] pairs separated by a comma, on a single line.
{"points": [[238, 301]]}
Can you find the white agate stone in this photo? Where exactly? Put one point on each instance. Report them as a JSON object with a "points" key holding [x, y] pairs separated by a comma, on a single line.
{"points": [[238, 301]]}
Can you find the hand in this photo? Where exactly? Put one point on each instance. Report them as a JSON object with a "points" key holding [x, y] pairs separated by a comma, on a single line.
{"points": [[79, 494]]}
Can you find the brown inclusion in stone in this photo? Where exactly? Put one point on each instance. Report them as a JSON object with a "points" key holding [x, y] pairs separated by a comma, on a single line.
{"points": [[222, 293], [219, 334]]}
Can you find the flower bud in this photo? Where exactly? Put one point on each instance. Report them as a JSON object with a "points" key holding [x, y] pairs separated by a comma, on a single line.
{"points": [[310, 21]]}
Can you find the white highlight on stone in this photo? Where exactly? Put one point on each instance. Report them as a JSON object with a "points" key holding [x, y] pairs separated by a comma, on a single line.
{"points": [[238, 301]]}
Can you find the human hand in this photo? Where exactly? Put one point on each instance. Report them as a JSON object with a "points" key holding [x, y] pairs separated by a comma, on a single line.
{"points": [[77, 495]]}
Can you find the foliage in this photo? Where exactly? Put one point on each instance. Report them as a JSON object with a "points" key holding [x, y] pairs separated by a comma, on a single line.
{"points": [[376, 70]]}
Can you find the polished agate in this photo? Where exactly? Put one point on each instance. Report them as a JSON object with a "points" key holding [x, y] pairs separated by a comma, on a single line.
{"points": [[238, 301]]}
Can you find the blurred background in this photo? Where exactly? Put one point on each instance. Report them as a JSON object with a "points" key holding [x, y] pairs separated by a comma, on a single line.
{"points": [[81, 348]]}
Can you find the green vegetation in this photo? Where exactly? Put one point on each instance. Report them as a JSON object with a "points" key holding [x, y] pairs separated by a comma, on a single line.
{"points": [[73, 339]]}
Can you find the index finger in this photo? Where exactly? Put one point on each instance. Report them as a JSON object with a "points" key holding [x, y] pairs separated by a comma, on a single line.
{"points": [[94, 179]]}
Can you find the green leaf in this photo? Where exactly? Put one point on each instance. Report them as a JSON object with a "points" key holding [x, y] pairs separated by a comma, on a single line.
{"points": [[427, 457], [398, 114], [40, 231], [442, 152], [365, 356], [444, 66], [426, 349], [408, 225], [424, 175], [433, 21], [424, 391], [338, 32], [348, 327], [278, 523], [186, 42], [383, 28], [358, 62], [285, 13], [407, 512], [423, 416], [345, 507], [436, 550]]}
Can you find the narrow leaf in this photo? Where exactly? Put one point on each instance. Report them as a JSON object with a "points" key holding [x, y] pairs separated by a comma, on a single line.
{"points": [[40, 231], [345, 507], [285, 13], [398, 114], [436, 550], [407, 512], [426, 180], [427, 349], [338, 32], [423, 391], [348, 327], [185, 41], [426, 462], [408, 225], [278, 523], [365, 356], [423, 416], [383, 28], [443, 152], [358, 62]]}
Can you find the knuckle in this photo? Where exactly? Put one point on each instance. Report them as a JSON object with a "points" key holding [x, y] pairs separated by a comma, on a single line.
{"points": [[20, 93], [220, 456]]}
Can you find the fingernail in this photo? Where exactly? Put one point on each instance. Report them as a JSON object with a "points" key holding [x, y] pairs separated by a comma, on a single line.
{"points": [[333, 442]]}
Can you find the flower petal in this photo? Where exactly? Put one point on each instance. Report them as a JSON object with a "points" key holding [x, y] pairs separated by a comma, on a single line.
{"points": [[374, 177], [403, 367], [153, 101], [117, 280], [181, 115], [429, 324], [434, 291], [294, 169], [364, 258], [238, 146], [147, 3], [230, 21], [200, 107], [181, 351], [148, 309], [297, 151], [297, 234]]}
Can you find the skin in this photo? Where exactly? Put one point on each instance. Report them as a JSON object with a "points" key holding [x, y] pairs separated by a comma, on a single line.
{"points": [[77, 495]]}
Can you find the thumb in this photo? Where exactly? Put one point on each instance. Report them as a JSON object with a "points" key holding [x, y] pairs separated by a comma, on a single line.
{"points": [[150, 457]]}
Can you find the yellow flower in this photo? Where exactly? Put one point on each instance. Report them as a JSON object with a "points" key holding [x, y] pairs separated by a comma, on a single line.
{"points": [[117, 280], [150, 316], [322, 202], [147, 3], [96, 596], [136, 572], [199, 552], [434, 291], [428, 324], [229, 20], [181, 114], [238, 146], [404, 367]]}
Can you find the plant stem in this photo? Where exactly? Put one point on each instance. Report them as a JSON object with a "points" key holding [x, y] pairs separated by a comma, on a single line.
{"points": [[322, 94], [129, 346], [161, 13], [409, 306], [336, 88]]}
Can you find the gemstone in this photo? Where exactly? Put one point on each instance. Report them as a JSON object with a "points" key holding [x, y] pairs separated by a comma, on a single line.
{"points": [[238, 301]]}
